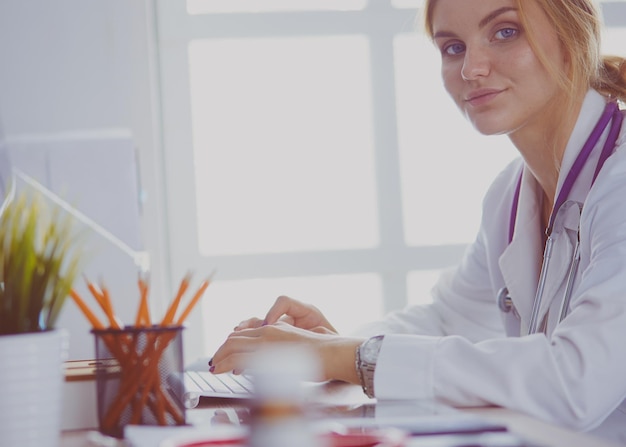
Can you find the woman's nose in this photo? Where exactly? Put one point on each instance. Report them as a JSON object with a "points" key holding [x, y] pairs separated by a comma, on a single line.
{"points": [[475, 64]]}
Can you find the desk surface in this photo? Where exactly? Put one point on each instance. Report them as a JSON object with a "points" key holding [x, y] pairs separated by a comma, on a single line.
{"points": [[539, 432], [530, 429]]}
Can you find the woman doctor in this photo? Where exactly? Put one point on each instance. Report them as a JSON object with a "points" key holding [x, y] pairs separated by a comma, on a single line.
{"points": [[500, 331]]}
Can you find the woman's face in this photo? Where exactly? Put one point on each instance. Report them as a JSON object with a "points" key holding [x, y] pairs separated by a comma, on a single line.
{"points": [[489, 67]]}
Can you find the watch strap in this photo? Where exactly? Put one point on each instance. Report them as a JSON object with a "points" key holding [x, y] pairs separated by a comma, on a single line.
{"points": [[366, 368]]}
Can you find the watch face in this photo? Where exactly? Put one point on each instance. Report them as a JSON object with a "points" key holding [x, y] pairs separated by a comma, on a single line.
{"points": [[369, 352]]}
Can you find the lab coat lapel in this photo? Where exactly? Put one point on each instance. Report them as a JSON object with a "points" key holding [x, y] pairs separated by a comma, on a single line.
{"points": [[556, 275], [565, 236], [520, 261]]}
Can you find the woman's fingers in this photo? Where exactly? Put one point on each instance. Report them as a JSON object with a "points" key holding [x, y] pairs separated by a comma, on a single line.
{"points": [[249, 324], [322, 330], [285, 306], [232, 355], [236, 350], [234, 363], [297, 313], [290, 311], [287, 319]]}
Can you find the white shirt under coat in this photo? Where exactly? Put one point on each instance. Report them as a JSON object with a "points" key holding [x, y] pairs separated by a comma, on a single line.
{"points": [[463, 350]]}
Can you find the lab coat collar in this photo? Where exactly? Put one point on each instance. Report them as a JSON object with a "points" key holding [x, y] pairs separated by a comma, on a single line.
{"points": [[590, 112]]}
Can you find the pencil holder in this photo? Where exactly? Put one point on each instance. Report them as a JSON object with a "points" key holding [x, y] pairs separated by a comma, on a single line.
{"points": [[135, 372]]}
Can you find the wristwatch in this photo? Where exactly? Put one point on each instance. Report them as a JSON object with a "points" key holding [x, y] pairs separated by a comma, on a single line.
{"points": [[366, 358]]}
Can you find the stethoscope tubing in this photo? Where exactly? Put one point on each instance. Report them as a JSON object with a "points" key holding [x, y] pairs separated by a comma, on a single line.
{"points": [[534, 316], [613, 115], [567, 295]]}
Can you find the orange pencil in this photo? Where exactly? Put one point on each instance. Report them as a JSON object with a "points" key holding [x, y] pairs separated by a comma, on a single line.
{"points": [[86, 311], [143, 313], [108, 308], [195, 299], [171, 312], [104, 301], [96, 293]]}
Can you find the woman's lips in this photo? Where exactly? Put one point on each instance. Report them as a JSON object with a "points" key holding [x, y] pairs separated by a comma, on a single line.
{"points": [[480, 97]]}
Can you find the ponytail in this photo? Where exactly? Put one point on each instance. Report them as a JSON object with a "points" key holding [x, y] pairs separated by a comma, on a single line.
{"points": [[612, 77]]}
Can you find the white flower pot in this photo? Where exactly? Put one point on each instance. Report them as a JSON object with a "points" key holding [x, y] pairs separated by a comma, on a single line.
{"points": [[31, 384]]}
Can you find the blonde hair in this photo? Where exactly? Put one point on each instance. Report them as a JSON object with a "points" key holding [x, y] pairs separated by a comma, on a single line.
{"points": [[578, 27]]}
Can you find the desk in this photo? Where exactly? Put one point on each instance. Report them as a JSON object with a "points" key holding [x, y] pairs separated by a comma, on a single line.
{"points": [[533, 430], [538, 431]]}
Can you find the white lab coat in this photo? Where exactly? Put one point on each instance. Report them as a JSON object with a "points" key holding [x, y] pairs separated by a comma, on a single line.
{"points": [[457, 349]]}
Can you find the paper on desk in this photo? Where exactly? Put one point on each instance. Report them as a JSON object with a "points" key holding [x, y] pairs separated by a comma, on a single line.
{"points": [[156, 436]]}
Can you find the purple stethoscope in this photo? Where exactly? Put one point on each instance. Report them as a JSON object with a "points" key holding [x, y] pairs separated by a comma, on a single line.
{"points": [[610, 115]]}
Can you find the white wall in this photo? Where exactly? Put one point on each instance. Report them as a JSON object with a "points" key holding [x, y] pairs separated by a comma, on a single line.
{"points": [[66, 64], [87, 66]]}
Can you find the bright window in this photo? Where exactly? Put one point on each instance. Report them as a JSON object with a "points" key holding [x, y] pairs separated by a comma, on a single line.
{"points": [[419, 284], [407, 4], [283, 144], [247, 6]]}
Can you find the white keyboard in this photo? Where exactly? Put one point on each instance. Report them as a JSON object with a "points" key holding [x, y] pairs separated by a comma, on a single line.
{"points": [[205, 384]]}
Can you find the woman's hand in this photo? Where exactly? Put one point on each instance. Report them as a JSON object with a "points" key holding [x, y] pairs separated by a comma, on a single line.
{"points": [[293, 312], [336, 354]]}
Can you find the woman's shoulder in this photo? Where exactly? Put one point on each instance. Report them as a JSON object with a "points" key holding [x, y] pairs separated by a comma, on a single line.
{"points": [[621, 139], [606, 196], [615, 166]]}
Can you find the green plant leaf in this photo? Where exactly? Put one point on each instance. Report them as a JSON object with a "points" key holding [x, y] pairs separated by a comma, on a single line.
{"points": [[39, 262]]}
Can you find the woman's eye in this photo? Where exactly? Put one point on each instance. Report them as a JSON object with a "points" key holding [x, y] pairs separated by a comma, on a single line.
{"points": [[506, 33], [454, 49]]}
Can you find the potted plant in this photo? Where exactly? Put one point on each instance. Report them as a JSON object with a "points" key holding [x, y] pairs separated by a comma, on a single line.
{"points": [[38, 264]]}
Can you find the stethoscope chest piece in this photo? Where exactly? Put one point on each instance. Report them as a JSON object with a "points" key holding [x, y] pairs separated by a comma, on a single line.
{"points": [[505, 303]]}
